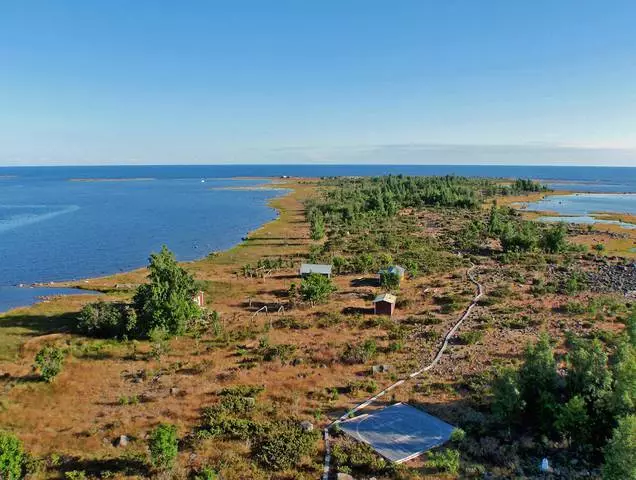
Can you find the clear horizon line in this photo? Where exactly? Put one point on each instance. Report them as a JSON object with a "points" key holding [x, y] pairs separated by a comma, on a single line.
{"points": [[356, 164]]}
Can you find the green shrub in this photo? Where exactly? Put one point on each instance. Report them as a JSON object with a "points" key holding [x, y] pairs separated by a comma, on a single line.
{"points": [[359, 353], [107, 320], [11, 456], [389, 280], [574, 308], [598, 247], [242, 390], [129, 400], [231, 417], [470, 337], [317, 225], [349, 455], [206, 473], [75, 475], [553, 239], [458, 435], [49, 361], [283, 445], [316, 288], [164, 446], [368, 385], [269, 352], [445, 461]]}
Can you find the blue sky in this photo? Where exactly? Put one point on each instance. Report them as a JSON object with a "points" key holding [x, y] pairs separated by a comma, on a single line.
{"points": [[443, 81]]}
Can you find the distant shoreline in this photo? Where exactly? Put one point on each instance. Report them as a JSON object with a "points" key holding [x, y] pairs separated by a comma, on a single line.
{"points": [[140, 179]]}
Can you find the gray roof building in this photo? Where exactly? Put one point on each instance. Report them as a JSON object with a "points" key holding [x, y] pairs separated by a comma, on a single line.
{"points": [[307, 268], [400, 432]]}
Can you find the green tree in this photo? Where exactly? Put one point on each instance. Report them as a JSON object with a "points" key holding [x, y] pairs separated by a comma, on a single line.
{"points": [[316, 288], [11, 456], [167, 301], [573, 422], [538, 384], [49, 361], [496, 222], [507, 402], [553, 239], [620, 451], [623, 367], [588, 372], [317, 226], [630, 328], [518, 237], [164, 446]]}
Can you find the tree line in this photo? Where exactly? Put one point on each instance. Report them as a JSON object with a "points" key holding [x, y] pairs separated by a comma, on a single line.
{"points": [[585, 398]]}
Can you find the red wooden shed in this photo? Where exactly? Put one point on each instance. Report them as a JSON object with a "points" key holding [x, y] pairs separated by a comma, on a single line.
{"points": [[384, 304]]}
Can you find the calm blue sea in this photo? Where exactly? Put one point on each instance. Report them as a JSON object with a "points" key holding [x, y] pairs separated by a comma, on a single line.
{"points": [[54, 228]]}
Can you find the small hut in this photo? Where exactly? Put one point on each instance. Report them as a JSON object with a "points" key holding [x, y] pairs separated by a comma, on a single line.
{"points": [[309, 268], [384, 304], [198, 299]]}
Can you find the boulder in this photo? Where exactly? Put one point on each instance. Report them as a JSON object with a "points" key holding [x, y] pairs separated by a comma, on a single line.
{"points": [[122, 441], [344, 476], [307, 426], [381, 368]]}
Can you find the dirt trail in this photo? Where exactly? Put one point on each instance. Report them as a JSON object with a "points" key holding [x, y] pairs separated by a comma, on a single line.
{"points": [[440, 352]]}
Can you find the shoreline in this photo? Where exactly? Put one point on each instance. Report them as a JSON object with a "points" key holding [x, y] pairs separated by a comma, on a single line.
{"points": [[104, 284], [98, 284]]}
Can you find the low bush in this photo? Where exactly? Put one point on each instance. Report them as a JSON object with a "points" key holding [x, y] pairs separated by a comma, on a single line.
{"points": [[368, 385], [206, 473], [283, 444], [164, 446], [470, 337], [242, 390], [574, 308], [269, 352], [359, 353], [11, 456], [232, 417], [107, 320], [329, 319], [445, 461], [350, 456], [49, 361], [316, 288]]}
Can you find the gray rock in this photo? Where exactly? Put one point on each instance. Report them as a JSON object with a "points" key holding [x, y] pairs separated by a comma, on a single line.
{"points": [[307, 426], [344, 476], [122, 441], [381, 368], [174, 391]]}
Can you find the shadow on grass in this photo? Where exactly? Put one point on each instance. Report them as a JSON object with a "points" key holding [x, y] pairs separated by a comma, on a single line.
{"points": [[365, 282], [126, 466], [38, 324], [357, 310]]}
